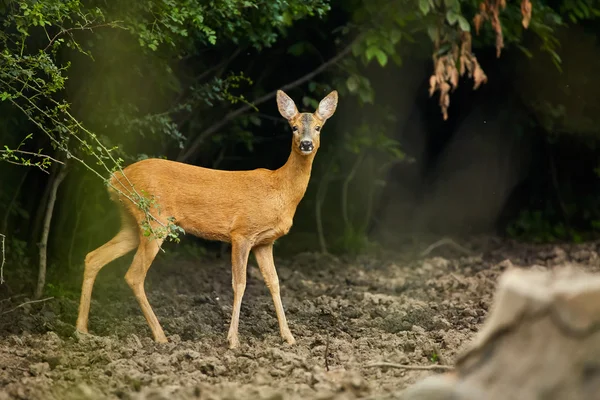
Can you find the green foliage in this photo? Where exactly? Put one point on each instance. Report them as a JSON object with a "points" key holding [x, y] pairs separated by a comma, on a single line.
{"points": [[361, 166], [537, 227], [151, 227], [183, 24], [167, 71], [18, 254], [577, 10], [34, 73], [25, 158]]}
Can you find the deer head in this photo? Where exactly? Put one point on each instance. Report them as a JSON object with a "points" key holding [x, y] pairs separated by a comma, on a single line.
{"points": [[306, 126]]}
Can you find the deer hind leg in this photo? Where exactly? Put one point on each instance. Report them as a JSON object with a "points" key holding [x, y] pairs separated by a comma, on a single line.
{"points": [[135, 278], [126, 240], [264, 257], [240, 249]]}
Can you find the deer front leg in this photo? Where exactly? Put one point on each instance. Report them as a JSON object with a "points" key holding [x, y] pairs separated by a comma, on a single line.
{"points": [[264, 257], [240, 249]]}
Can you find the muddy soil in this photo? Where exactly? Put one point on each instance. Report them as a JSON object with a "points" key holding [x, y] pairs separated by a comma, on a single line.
{"points": [[344, 313]]}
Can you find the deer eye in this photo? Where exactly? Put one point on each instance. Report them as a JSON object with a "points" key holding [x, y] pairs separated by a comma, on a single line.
{"points": [[317, 128], [295, 128]]}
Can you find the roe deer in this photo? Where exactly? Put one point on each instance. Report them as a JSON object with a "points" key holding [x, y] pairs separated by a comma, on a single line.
{"points": [[249, 209]]}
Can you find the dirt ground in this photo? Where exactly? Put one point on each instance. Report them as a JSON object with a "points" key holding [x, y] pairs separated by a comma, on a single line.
{"points": [[345, 314]]}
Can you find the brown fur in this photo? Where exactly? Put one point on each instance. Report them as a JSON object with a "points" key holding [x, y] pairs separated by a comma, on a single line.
{"points": [[249, 209]]}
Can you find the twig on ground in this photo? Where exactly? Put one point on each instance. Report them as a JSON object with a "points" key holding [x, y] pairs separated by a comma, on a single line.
{"points": [[457, 279], [443, 242], [432, 367], [12, 298], [27, 302]]}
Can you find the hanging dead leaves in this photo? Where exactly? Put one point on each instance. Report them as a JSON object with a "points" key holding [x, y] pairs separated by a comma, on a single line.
{"points": [[526, 12], [446, 75]]}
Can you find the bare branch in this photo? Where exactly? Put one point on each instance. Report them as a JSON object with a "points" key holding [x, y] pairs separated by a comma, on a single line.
{"points": [[33, 154], [79, 28], [29, 153], [184, 156], [446, 241], [27, 302]]}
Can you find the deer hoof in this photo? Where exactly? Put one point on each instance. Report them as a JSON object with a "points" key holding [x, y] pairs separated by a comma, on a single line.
{"points": [[162, 339], [81, 335], [290, 339], [234, 342]]}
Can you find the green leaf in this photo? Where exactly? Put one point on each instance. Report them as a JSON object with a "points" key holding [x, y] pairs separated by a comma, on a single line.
{"points": [[352, 84], [373, 51], [451, 17], [464, 24], [453, 4], [382, 58], [395, 36], [296, 49], [424, 6], [525, 51], [432, 31]]}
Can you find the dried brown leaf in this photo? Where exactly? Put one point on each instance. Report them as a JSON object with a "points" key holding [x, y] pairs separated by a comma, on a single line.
{"points": [[439, 69], [526, 12], [454, 78], [499, 43], [463, 64], [445, 104], [432, 85], [477, 21], [478, 76], [444, 89]]}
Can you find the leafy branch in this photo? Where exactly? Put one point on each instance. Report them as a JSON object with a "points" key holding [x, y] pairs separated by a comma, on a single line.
{"points": [[187, 154], [88, 27], [30, 81]]}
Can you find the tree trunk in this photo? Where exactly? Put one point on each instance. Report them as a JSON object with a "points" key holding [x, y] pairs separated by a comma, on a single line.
{"points": [[43, 245], [541, 340], [40, 211]]}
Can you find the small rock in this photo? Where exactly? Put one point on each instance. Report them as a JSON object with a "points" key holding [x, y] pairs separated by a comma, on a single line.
{"points": [[418, 329], [506, 264], [15, 340], [38, 369], [21, 353], [555, 255], [53, 338], [439, 262], [442, 322], [187, 354], [584, 256], [134, 341]]}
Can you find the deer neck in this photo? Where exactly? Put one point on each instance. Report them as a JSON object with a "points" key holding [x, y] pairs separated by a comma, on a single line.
{"points": [[295, 174]]}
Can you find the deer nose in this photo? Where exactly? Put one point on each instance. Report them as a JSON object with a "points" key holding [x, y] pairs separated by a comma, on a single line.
{"points": [[306, 145]]}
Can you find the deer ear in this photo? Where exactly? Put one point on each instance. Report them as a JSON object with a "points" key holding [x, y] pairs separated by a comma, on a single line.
{"points": [[328, 105], [287, 107]]}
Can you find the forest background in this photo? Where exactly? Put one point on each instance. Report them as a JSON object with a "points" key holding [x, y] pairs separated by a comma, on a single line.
{"points": [[455, 118]]}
